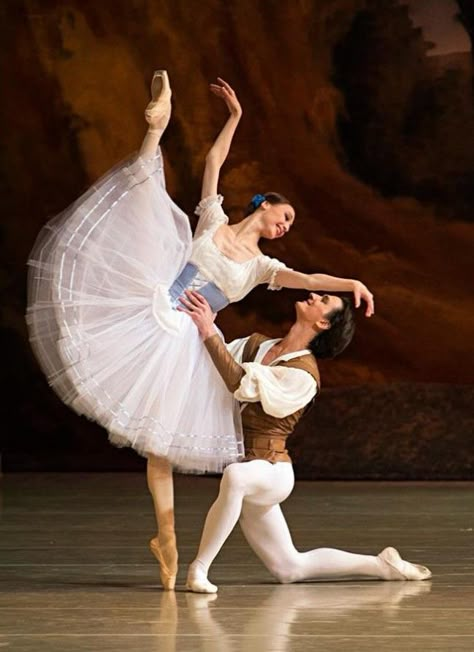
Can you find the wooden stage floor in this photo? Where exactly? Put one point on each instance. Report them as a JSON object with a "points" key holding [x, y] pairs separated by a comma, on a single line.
{"points": [[76, 574]]}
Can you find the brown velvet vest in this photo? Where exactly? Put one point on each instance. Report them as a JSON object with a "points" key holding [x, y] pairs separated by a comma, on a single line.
{"points": [[265, 436]]}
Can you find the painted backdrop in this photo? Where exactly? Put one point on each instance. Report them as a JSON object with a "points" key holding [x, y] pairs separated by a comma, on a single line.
{"points": [[361, 112]]}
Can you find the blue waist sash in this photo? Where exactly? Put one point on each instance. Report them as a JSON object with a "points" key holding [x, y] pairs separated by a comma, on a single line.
{"points": [[214, 296]]}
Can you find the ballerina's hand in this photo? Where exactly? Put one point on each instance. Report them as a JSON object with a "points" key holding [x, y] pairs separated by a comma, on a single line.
{"points": [[362, 292], [196, 306], [223, 90]]}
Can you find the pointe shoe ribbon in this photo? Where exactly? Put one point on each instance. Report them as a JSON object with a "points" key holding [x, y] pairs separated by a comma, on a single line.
{"points": [[404, 569], [167, 575], [158, 111]]}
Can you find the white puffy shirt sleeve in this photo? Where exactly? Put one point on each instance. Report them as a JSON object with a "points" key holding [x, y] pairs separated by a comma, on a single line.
{"points": [[210, 213], [280, 390], [269, 268]]}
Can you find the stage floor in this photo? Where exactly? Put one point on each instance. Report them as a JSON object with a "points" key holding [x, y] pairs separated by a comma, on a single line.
{"points": [[76, 573]]}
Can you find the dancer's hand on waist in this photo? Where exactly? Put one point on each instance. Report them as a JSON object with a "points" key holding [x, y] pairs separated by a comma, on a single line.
{"points": [[196, 306]]}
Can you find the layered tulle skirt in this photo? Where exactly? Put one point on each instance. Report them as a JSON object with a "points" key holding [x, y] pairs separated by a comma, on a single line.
{"points": [[105, 332]]}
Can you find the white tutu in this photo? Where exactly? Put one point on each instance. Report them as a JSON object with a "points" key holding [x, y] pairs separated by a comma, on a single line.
{"points": [[104, 333]]}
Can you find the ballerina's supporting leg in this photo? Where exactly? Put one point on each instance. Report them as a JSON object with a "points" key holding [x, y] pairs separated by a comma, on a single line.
{"points": [[163, 546]]}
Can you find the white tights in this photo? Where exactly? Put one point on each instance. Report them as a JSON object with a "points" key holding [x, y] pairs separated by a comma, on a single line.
{"points": [[253, 491]]}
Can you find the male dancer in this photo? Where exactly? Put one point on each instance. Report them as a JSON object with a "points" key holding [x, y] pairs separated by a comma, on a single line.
{"points": [[276, 379]]}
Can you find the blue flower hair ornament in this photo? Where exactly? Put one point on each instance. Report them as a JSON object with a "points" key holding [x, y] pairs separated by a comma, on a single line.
{"points": [[257, 201]]}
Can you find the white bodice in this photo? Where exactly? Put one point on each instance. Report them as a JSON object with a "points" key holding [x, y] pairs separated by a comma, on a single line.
{"points": [[233, 278]]}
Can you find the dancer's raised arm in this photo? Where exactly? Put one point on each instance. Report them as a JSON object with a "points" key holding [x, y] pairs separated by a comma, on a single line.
{"points": [[298, 280], [219, 151]]}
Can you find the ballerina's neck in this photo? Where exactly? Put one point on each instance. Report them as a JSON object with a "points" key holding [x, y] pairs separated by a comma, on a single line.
{"points": [[249, 229], [240, 246]]}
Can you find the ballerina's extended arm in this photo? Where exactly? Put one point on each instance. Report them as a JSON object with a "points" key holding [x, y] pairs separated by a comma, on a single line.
{"points": [[220, 149], [314, 282]]}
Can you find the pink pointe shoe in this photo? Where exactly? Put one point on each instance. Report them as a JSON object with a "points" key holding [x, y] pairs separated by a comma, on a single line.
{"points": [[401, 569], [158, 111], [167, 572]]}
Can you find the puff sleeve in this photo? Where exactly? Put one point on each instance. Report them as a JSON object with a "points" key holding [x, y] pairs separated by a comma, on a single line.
{"points": [[268, 269], [210, 213]]}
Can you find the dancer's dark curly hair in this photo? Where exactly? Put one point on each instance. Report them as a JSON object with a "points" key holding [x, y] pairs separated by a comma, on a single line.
{"points": [[333, 341]]}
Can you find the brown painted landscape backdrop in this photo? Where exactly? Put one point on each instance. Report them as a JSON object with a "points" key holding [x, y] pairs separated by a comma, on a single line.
{"points": [[347, 114]]}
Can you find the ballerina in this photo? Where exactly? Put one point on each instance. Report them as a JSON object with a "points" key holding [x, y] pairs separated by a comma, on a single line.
{"points": [[104, 284]]}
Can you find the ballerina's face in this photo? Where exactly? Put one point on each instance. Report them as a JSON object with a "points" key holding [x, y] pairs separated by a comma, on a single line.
{"points": [[276, 219]]}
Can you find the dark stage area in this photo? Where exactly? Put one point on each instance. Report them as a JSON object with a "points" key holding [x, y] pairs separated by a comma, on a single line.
{"points": [[76, 573]]}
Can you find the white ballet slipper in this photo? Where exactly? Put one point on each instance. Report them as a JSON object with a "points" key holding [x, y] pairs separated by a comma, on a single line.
{"points": [[200, 585], [197, 581], [401, 569]]}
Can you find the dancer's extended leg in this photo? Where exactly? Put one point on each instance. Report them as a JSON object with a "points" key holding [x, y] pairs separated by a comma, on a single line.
{"points": [[268, 483], [160, 483], [267, 532]]}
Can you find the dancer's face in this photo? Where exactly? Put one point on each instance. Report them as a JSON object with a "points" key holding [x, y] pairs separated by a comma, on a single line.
{"points": [[276, 219], [317, 308]]}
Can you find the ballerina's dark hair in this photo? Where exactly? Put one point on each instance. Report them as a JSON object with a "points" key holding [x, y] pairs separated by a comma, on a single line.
{"points": [[273, 198], [333, 341]]}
